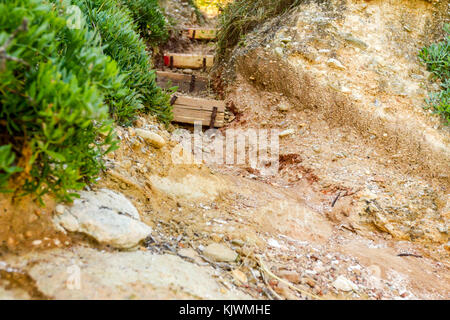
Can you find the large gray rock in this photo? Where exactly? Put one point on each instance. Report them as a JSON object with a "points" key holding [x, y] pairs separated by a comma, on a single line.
{"points": [[86, 273], [220, 253], [105, 215]]}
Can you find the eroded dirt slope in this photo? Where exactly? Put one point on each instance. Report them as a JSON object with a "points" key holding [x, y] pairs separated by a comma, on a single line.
{"points": [[364, 172], [346, 79]]}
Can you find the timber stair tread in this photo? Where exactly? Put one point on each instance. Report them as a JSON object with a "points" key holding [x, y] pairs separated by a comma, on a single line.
{"points": [[189, 109], [186, 83], [189, 60], [201, 33]]}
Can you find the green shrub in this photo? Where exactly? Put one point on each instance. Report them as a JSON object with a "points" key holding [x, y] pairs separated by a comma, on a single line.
{"points": [[150, 20], [437, 59], [242, 16], [197, 12], [122, 43], [54, 85], [7, 169]]}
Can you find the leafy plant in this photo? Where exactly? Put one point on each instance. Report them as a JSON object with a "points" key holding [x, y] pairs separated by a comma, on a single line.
{"points": [[197, 12], [55, 83], [7, 169], [150, 20], [437, 59], [113, 21], [242, 16]]}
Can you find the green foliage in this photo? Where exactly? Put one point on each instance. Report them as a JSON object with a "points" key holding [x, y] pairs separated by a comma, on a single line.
{"points": [[437, 58], [122, 43], [242, 16], [54, 84], [150, 20], [7, 169], [198, 14]]}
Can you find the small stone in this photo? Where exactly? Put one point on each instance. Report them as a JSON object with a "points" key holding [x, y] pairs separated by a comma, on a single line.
{"points": [[139, 123], [286, 40], [287, 132], [283, 107], [284, 290], [345, 90], [309, 281], [339, 155], [238, 242], [368, 196], [151, 137], [107, 216], [126, 164], [187, 71], [279, 51], [239, 276], [59, 209], [335, 64], [191, 254], [220, 253], [216, 237], [36, 242], [316, 149], [356, 42], [11, 242], [447, 246], [343, 284], [68, 222], [290, 276], [273, 243]]}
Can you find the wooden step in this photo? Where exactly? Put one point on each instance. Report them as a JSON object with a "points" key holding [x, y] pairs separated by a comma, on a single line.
{"points": [[189, 110], [188, 61], [185, 82], [202, 33]]}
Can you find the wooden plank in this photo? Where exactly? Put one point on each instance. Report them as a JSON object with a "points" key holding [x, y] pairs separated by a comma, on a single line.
{"points": [[197, 112], [182, 81], [202, 33], [200, 103], [182, 118], [188, 61], [190, 110], [196, 115]]}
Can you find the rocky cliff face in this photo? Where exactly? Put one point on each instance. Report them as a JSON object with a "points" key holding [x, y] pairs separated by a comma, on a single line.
{"points": [[351, 73]]}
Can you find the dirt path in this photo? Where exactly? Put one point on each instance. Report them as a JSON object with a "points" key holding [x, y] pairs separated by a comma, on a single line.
{"points": [[311, 232]]}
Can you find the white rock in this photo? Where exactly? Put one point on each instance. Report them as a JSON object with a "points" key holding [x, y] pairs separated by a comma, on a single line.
{"points": [[151, 137], [279, 51], [335, 64], [59, 209], [273, 243], [286, 39], [220, 253], [67, 222], [283, 107], [121, 276], [342, 283], [287, 132], [107, 216]]}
